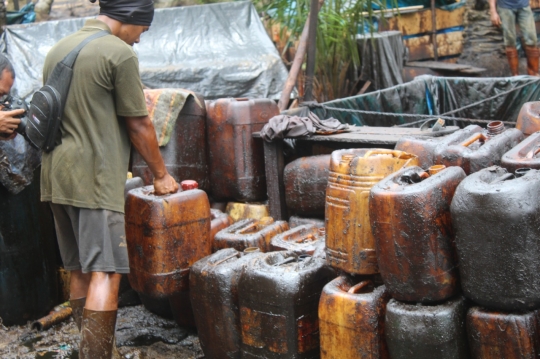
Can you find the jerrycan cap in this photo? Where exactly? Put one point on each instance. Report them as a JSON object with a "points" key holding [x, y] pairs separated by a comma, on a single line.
{"points": [[189, 184]]}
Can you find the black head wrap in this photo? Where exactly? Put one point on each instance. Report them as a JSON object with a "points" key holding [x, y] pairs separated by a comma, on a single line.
{"points": [[135, 12]]}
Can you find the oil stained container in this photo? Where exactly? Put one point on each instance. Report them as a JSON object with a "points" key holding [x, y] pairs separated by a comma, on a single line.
{"points": [[236, 158], [411, 223], [165, 236], [351, 315], [305, 182], [158, 306], [525, 154], [480, 150], [214, 294], [219, 221], [132, 183], [182, 309], [249, 233], [239, 211], [295, 221], [301, 240], [500, 335], [185, 154], [427, 332], [350, 246], [528, 120], [279, 298], [426, 147], [497, 224]]}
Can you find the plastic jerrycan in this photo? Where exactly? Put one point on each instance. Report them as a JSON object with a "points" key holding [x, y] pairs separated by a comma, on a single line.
{"points": [[185, 155], [239, 211], [236, 159], [305, 182], [279, 296], [351, 319], [481, 150], [503, 335], [350, 245], [416, 331], [528, 120], [497, 223], [427, 147], [214, 295], [301, 240], [249, 233], [165, 236], [412, 226], [525, 155], [219, 221]]}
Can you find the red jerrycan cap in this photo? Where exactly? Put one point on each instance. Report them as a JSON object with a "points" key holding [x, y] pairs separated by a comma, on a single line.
{"points": [[189, 184]]}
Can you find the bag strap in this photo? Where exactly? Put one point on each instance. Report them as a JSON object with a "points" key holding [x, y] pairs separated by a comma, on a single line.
{"points": [[70, 58]]}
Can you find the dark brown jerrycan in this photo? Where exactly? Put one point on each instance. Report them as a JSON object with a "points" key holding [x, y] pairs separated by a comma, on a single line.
{"points": [[185, 154], [295, 221], [182, 309], [525, 155], [411, 223], [426, 147], [214, 294], [351, 315], [350, 246], [528, 120], [249, 233], [165, 236], [427, 332], [480, 150], [158, 306], [219, 221], [279, 299], [497, 226], [236, 159], [301, 240], [500, 335], [305, 185]]}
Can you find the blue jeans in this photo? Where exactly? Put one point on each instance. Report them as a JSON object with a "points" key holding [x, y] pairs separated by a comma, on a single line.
{"points": [[525, 20]]}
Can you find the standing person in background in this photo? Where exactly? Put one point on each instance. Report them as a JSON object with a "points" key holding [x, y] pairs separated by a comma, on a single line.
{"points": [[83, 178], [505, 14]]}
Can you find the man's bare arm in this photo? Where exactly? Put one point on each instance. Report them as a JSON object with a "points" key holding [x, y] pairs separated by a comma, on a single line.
{"points": [[143, 137], [495, 19]]}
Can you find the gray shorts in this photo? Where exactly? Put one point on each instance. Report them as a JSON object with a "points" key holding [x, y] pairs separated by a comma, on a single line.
{"points": [[524, 17], [93, 240]]}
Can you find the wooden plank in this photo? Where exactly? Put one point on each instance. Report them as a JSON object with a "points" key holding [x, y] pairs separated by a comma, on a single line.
{"points": [[275, 187], [436, 65], [448, 44], [420, 22], [393, 11]]}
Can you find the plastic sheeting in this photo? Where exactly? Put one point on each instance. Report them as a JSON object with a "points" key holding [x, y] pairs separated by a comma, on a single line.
{"points": [[218, 50], [431, 95], [18, 160]]}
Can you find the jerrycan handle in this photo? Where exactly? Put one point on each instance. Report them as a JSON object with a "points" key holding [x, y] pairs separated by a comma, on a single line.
{"points": [[533, 153], [469, 141], [355, 289], [236, 255], [393, 153]]}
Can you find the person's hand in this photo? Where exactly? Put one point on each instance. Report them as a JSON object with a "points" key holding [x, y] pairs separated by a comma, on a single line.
{"points": [[165, 185], [9, 123], [495, 19]]}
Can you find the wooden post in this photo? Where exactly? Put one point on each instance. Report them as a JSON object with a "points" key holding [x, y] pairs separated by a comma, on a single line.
{"points": [[312, 50], [434, 30], [274, 164]]}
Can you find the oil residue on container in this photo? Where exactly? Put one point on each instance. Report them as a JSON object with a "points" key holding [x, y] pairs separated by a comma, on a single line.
{"points": [[249, 233], [427, 332], [350, 245], [301, 240], [305, 182], [279, 298], [496, 335], [497, 229], [411, 223], [525, 154], [239, 211], [528, 120], [165, 236], [219, 221], [351, 314]]}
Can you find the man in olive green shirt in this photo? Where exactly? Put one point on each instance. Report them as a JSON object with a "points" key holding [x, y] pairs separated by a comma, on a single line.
{"points": [[84, 176]]}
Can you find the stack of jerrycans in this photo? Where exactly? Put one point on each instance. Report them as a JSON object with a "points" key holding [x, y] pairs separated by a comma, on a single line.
{"points": [[496, 216], [352, 307], [410, 218]]}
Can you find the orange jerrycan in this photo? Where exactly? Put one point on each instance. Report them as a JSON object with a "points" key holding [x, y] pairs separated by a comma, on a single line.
{"points": [[301, 240], [525, 155], [528, 120], [249, 233], [350, 245]]}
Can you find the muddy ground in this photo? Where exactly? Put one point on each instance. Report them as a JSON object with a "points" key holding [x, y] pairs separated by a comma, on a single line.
{"points": [[139, 335]]}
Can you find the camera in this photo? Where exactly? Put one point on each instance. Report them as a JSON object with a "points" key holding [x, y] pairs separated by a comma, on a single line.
{"points": [[11, 103]]}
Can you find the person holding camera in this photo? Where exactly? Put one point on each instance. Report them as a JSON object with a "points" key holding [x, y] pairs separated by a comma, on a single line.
{"points": [[8, 119], [83, 178]]}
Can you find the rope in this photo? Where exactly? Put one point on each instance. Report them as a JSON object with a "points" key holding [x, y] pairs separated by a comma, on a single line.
{"points": [[442, 116]]}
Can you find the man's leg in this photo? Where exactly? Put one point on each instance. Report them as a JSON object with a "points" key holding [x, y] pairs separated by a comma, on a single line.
{"points": [[528, 29], [78, 289], [508, 20]]}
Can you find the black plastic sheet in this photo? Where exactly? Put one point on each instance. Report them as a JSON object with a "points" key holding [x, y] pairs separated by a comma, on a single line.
{"points": [[18, 160], [218, 50]]}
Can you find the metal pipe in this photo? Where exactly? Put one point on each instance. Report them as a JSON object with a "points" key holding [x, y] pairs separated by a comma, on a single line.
{"points": [[52, 319], [311, 50]]}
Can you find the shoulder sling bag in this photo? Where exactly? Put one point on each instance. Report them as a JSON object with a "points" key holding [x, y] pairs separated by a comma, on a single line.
{"points": [[47, 105]]}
